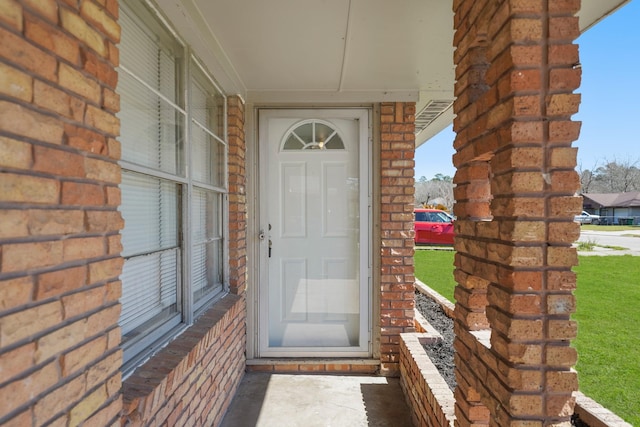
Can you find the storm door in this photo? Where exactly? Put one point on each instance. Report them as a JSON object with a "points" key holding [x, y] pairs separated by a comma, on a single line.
{"points": [[314, 290]]}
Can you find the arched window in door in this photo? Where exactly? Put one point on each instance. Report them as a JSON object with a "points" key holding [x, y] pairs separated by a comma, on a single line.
{"points": [[312, 135]]}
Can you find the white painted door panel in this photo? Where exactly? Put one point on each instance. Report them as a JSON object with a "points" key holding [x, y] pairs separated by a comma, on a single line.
{"points": [[314, 299]]}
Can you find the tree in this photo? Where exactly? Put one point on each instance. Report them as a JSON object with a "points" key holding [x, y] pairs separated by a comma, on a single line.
{"points": [[436, 191], [614, 176], [619, 176], [442, 178], [587, 178]]}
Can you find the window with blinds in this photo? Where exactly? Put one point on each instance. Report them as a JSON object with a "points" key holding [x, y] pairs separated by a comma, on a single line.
{"points": [[208, 168], [173, 126]]}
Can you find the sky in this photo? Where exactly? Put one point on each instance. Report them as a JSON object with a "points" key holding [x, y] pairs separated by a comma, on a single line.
{"points": [[610, 107]]}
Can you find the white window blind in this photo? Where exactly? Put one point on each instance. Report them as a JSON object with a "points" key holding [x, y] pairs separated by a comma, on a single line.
{"points": [[167, 179], [149, 48], [150, 247], [150, 206], [151, 129], [207, 132], [154, 299], [150, 119], [208, 154], [206, 259]]}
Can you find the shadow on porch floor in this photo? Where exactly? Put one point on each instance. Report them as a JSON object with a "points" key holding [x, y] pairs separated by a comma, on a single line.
{"points": [[294, 400]]}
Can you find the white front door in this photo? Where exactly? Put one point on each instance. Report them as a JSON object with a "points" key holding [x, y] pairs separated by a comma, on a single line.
{"points": [[314, 290]]}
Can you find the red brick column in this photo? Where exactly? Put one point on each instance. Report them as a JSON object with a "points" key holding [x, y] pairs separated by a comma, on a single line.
{"points": [[237, 196], [515, 185], [396, 258], [59, 223]]}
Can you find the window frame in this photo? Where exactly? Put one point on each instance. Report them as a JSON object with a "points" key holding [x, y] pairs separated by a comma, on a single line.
{"points": [[138, 350], [221, 192]]}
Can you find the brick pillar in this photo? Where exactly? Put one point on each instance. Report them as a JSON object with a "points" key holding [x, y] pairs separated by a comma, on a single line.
{"points": [[59, 223], [237, 196], [396, 258], [515, 185]]}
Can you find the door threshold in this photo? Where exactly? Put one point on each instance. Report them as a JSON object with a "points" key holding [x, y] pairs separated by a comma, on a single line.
{"points": [[315, 365]]}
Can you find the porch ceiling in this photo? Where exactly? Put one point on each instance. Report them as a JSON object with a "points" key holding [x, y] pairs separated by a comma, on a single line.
{"points": [[334, 51]]}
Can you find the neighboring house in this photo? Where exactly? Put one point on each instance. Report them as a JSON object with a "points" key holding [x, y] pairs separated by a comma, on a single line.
{"points": [[614, 208], [193, 188]]}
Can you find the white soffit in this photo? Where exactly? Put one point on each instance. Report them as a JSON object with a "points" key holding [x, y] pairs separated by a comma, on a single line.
{"points": [[593, 11], [333, 51], [281, 45]]}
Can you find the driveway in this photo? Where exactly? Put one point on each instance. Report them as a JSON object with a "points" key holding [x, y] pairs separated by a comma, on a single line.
{"points": [[628, 239]]}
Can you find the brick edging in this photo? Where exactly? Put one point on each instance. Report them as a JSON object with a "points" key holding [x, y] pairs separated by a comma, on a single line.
{"points": [[316, 366], [594, 414], [447, 306], [426, 392]]}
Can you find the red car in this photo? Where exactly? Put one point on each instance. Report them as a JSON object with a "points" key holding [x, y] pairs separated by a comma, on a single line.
{"points": [[433, 226]]}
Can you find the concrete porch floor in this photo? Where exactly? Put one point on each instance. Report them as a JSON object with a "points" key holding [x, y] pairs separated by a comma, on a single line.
{"points": [[297, 400]]}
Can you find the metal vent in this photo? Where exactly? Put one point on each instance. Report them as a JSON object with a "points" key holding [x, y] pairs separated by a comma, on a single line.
{"points": [[430, 112]]}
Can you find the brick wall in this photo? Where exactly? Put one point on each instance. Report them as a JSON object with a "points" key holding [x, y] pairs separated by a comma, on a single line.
{"points": [[237, 196], [396, 230], [429, 397], [193, 380], [515, 186], [59, 223], [60, 242]]}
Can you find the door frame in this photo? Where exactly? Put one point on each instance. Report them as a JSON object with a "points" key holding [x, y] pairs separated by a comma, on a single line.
{"points": [[364, 115]]}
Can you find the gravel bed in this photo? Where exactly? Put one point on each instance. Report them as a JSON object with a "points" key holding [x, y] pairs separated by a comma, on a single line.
{"points": [[440, 352]]}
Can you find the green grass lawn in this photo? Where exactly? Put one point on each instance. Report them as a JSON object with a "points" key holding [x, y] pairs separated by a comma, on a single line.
{"points": [[435, 269], [608, 316]]}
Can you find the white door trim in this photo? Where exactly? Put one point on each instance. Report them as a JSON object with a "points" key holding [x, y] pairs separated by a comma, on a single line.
{"points": [[365, 210]]}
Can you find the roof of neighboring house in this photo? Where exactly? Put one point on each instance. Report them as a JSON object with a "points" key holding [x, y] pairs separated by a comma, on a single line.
{"points": [[615, 200]]}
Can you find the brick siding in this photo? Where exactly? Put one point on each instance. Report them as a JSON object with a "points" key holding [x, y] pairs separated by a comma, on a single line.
{"points": [[515, 186], [193, 380], [59, 224], [237, 196], [60, 241], [397, 278]]}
